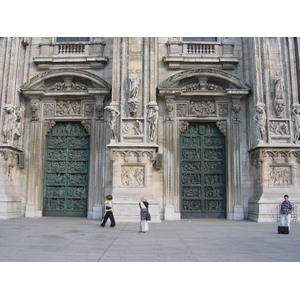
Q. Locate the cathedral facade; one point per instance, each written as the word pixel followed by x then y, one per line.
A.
pixel 204 127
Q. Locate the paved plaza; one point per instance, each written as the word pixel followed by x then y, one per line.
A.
pixel 51 239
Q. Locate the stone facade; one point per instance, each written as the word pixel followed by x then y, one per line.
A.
pixel 136 98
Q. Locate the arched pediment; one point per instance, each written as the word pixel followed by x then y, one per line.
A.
pixel 65 81
pixel 201 80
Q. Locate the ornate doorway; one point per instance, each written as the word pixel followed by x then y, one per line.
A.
pixel 203 189
pixel 66 170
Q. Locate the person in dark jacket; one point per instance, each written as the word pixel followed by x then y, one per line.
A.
pixel 286 210
pixel 109 208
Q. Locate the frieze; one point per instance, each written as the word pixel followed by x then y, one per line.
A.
pixel 202 108
pixel 134 155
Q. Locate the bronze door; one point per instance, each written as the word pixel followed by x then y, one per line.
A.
pixel 203 190
pixel 66 170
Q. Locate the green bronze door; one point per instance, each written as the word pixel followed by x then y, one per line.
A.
pixel 203 192
pixel 66 171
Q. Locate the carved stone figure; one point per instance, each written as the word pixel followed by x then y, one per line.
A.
pixel 260 118
pixel 9 126
pixel 139 127
pixel 114 114
pixel 152 118
pixel 296 120
pixel 134 84
pixel 279 86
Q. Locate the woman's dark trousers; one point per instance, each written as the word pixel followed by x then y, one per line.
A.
pixel 110 215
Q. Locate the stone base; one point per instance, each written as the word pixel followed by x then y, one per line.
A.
pixel 130 212
pixel 31 211
pixel 10 209
pixel 170 214
pixel 96 213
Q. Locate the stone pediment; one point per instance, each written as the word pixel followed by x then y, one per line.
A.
pixel 202 80
pixel 65 80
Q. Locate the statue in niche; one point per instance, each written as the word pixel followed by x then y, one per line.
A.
pixel 134 85
pixel 260 118
pixel 9 126
pixel 114 114
pixel 279 86
pixel 296 120
pixel 152 118
pixel 279 102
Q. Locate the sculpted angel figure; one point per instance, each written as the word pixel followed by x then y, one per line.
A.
pixel 9 126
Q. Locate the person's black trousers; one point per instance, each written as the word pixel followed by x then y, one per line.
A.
pixel 110 215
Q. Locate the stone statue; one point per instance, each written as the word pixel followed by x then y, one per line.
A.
pixel 296 119
pixel 134 85
pixel 9 126
pixel 114 114
pixel 152 118
pixel 260 118
pixel 279 87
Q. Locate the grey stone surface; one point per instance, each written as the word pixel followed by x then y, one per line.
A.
pixel 51 239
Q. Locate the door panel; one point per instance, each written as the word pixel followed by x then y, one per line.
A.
pixel 203 193
pixel 66 170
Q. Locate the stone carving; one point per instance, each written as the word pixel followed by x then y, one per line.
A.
pixel 138 127
pixel 260 118
pixel 49 125
pixel 236 107
pixel 202 85
pixel 125 128
pixel 67 85
pixel 132 176
pixel 280 176
pixel 88 110
pixel 99 109
pixel 183 126
pixel 67 108
pixel 202 108
pixel 134 85
pixel 9 127
pixel 34 106
pixel 181 110
pixel 87 126
pixel 114 114
pixel 296 120
pixel 152 119
pixel 279 127
pixel 279 102
pixel 169 109
pixel 222 127
pixel 48 110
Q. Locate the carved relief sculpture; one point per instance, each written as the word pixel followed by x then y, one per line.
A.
pixel 114 114
pixel 260 118
pixel 202 108
pixel 134 85
pixel 138 127
pixel 132 176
